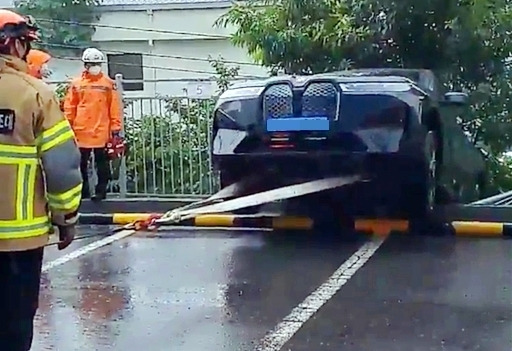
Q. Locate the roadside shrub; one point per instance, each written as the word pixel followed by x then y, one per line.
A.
pixel 169 153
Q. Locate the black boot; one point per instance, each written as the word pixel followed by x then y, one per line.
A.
pixel 86 194
pixel 100 193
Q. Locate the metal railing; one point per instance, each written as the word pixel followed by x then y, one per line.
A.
pixel 168 147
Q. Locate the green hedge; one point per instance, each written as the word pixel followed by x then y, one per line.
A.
pixel 169 153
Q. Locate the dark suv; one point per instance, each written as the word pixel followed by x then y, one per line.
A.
pixel 395 126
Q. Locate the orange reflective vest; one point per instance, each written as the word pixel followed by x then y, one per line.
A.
pixel 92 106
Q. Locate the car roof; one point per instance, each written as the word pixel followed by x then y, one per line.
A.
pixel 425 79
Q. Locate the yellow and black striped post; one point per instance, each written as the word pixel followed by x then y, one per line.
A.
pixel 370 226
pixel 459 228
pixel 482 229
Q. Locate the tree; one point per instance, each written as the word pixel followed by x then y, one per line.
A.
pixel 305 36
pixel 320 35
pixel 224 73
pixel 465 42
pixel 62 21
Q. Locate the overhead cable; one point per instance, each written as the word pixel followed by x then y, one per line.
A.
pixel 185 58
pixel 137 29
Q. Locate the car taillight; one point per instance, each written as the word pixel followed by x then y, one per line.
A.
pixel 281 141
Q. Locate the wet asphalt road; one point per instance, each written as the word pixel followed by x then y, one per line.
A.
pixel 218 290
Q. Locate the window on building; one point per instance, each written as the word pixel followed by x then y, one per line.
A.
pixel 130 66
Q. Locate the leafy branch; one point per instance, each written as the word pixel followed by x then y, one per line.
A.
pixel 61 21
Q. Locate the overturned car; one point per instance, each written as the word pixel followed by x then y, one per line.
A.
pixel 394 126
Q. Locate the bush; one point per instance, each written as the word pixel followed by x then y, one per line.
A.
pixel 169 153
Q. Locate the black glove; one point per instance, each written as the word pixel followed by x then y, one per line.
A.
pixel 66 226
pixel 66 236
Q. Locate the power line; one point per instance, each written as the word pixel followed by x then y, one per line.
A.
pixel 163 68
pixel 151 30
pixel 185 58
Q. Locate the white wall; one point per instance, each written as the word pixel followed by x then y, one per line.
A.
pixel 160 67
pixel 197 20
pixel 64 69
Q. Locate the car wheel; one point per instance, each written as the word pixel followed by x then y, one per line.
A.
pixel 422 194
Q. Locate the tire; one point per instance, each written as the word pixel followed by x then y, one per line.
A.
pixel 422 189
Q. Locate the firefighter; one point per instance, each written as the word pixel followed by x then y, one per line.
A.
pixel 39 169
pixel 98 119
pixel 37 61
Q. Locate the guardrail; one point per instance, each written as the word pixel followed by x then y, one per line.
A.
pixel 168 147
pixel 168 141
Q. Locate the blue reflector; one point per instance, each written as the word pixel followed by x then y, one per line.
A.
pixel 297 124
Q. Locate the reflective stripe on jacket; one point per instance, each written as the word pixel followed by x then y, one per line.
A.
pixel 39 159
pixel 93 108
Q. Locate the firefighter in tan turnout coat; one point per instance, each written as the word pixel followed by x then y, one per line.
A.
pixel 41 181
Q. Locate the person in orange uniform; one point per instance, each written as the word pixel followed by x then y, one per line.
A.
pixel 93 108
pixel 37 61
pixel 39 170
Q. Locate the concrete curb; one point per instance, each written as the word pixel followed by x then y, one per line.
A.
pixel 370 226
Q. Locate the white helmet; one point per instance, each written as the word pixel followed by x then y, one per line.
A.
pixel 93 55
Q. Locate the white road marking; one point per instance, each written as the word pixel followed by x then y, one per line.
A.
pixel 285 330
pixel 86 249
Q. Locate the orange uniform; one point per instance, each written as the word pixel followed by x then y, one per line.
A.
pixel 36 59
pixel 93 109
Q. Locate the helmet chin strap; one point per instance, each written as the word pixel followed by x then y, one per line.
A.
pixel 17 44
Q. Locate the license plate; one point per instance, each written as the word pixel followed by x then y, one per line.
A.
pixel 299 124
